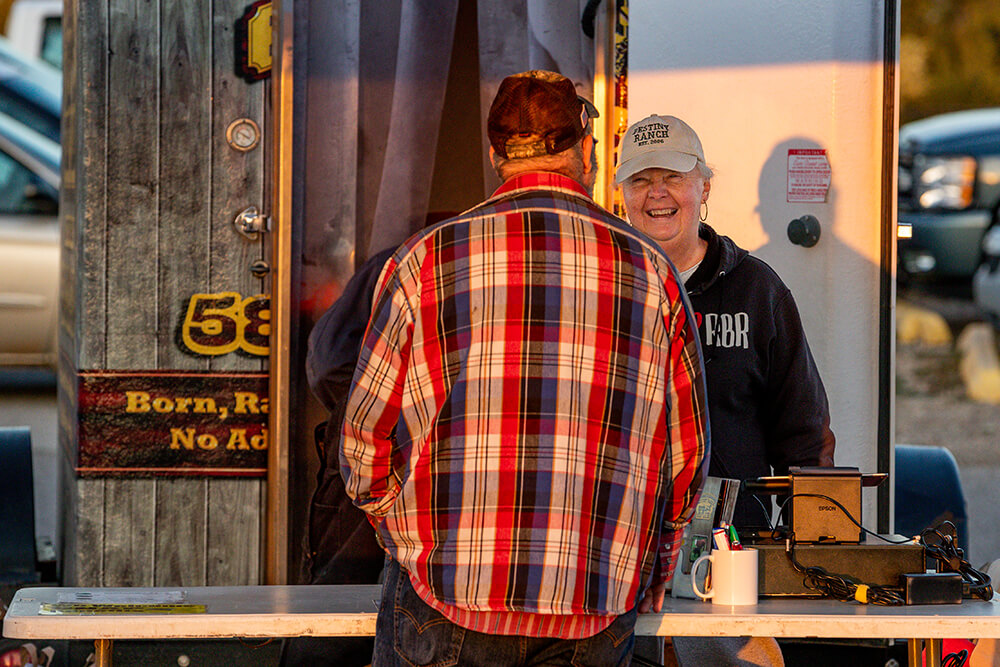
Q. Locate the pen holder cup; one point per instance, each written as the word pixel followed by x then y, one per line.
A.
pixel 733 577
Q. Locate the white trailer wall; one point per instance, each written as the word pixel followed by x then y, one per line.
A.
pixel 755 80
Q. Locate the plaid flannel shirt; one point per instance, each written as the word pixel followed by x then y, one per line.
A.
pixel 526 427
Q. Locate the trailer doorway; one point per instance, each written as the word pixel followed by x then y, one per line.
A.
pixel 391 100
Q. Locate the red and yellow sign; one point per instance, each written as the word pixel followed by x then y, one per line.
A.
pixel 620 113
pixel 172 423
pixel 255 34
pixel 217 324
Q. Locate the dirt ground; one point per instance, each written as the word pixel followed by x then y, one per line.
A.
pixel 931 405
pixel 932 409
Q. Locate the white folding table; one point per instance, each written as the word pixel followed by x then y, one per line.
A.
pixel 222 612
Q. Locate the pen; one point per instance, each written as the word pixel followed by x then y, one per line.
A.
pixel 734 539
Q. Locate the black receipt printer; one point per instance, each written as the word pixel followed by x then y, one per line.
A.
pixel 825 503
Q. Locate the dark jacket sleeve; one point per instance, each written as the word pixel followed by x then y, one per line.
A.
pixel 797 418
pixel 341 548
pixel 335 340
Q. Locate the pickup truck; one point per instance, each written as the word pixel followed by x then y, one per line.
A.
pixel 949 193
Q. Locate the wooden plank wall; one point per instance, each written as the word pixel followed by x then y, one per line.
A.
pixel 152 188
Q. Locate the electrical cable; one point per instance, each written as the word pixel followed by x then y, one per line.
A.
pixel 846 513
pixel 944 549
pixel 839 588
pixel 834 586
pixel 955 659
pixel 778 532
pixel 767 510
pixel 938 545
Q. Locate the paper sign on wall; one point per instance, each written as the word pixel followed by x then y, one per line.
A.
pixel 808 175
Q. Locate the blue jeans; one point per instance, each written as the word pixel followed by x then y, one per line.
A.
pixel 409 632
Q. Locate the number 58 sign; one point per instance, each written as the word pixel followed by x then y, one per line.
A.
pixel 217 324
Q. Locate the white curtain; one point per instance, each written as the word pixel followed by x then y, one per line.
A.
pixel 514 35
pixel 426 30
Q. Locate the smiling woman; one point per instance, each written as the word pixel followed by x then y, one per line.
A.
pixel 766 402
pixel 665 184
pixel 665 205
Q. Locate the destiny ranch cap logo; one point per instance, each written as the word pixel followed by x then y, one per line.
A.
pixel 654 133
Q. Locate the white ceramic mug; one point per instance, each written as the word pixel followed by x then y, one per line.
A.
pixel 734 577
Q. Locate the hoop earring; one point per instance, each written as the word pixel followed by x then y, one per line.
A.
pixel 704 216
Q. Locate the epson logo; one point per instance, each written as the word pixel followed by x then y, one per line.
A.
pixel 826 508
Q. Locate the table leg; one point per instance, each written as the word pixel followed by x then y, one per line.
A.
pixel 933 652
pixel 915 656
pixel 102 652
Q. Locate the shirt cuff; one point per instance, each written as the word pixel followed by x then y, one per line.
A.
pixel 670 548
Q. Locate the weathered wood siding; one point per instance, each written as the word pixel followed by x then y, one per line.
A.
pixel 151 190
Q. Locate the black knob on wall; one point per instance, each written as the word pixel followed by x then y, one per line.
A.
pixel 804 231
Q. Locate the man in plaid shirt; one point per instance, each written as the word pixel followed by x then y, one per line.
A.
pixel 526 427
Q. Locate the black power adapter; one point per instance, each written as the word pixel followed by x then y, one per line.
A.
pixel 932 588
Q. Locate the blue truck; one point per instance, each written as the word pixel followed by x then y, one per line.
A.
pixel 949 193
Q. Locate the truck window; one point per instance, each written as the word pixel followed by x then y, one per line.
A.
pixel 22 192
pixel 52 41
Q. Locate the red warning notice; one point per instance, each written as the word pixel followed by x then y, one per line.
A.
pixel 808 175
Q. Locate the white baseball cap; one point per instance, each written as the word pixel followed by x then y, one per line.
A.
pixel 659 141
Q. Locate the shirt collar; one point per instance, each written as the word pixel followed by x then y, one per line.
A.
pixel 541 180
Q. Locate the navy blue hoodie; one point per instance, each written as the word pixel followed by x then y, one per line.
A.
pixel 767 406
